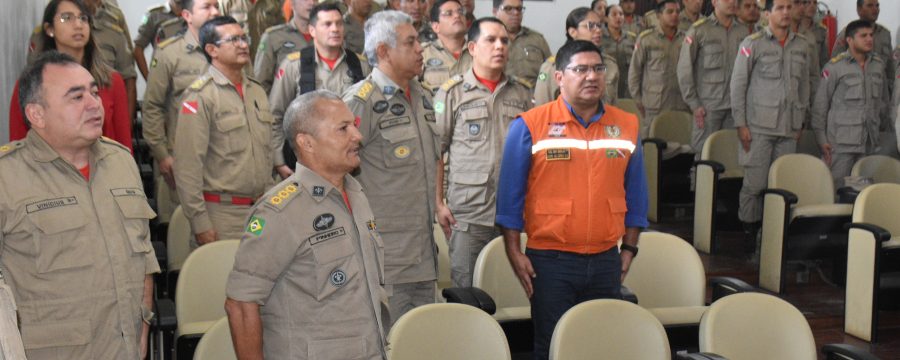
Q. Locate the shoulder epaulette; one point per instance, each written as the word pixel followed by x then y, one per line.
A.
pixel 365 89
pixel 699 22
pixel 10 148
pixel 199 83
pixel 273 28
pixel 38 29
pixel 756 35
pixel 822 26
pixel 294 56
pixel 159 7
pixel 109 141
pixel 116 28
pixel 425 44
pixel 552 59
pixel 839 57
pixel 362 58
pixel 168 22
pixel 451 82
pixel 524 82
pixel 645 33
pixel 631 33
pixel 281 197
pixel 168 41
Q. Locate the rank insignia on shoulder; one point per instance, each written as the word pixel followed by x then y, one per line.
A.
pixel 318 191
pixel 255 225
pixel 294 56
pixel 451 82
pixel 552 59
pixel 365 90
pixel 197 84
pixel 282 196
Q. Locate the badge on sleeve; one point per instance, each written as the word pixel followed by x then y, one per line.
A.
pixel 280 74
pixel 256 225
pixel 189 107
pixel 745 50
pixel 825 74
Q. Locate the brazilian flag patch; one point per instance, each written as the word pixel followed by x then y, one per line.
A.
pixel 256 225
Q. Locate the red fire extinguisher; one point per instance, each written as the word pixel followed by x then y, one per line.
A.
pixel 830 22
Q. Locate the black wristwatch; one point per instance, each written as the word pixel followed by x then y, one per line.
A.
pixel 633 249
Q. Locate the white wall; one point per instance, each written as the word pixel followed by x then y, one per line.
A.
pixel 845 10
pixel 16 24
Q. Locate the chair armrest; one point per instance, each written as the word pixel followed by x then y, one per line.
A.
pixel 165 319
pixel 880 233
pixel 471 296
pixel 845 351
pixel 789 197
pixel 660 143
pixel 723 286
pixel 629 295
pixel 699 356
pixel 847 195
pixel 716 166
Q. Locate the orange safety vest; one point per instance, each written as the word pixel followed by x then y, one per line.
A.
pixel 575 199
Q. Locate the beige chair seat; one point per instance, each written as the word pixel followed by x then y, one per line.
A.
pixel 216 343
pixel 495 276
pixel 820 210
pixel 513 313
pixel 680 315
pixel 447 332
pixel 585 332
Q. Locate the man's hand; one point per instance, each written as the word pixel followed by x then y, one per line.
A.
pixel 165 169
pixel 523 269
pixel 145 333
pixel 641 110
pixel 826 153
pixel 799 134
pixel 445 218
pixel 744 135
pixel 207 237
pixel 284 171
pixel 699 117
pixel 626 256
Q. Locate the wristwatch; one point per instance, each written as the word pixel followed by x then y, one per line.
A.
pixel 632 248
pixel 147 315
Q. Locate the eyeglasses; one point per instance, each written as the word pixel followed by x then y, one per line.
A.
pixel 801 2
pixel 234 40
pixel 68 17
pixel 582 70
pixel 449 13
pixel 512 9
pixel 591 26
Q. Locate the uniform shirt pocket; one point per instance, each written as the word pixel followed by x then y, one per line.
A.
pixel 55 335
pixel 233 132
pixel 468 190
pixel 876 85
pixel 399 146
pixel 352 348
pixel 854 88
pixel 552 214
pixel 770 67
pixel 712 56
pixel 137 214
pixel 59 241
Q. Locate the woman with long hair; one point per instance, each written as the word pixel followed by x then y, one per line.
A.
pixel 67 29
pixel 581 24
pixel 618 43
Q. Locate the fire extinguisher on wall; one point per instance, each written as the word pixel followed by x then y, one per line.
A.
pixel 830 22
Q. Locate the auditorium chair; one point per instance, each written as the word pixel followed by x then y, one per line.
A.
pixel 878 168
pixel 801 220
pixel 443 258
pixel 667 161
pixel 628 105
pixel 873 274
pixel 177 247
pixel 216 343
pixel 719 178
pixel 609 329
pixel 447 332
pixel 753 326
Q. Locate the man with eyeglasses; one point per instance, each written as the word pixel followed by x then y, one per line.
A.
pixel 448 55
pixel 223 144
pixel 572 178
pixel 473 112
pixel 281 40
pixel 177 62
pixel 653 63
pixel 528 49
pixel 325 65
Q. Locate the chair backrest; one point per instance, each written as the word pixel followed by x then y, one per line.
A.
pixel 609 329
pixel 804 175
pixel 447 332
pixel 722 147
pixel 443 258
pixel 495 276
pixel 756 326
pixel 200 293
pixel 668 272
pixel 881 168
pixel 879 204
pixel 216 343
pixel 178 239
pixel 672 126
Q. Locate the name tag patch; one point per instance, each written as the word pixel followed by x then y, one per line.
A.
pixel 558 154
pixel 327 235
pixel 50 204
pixel 394 122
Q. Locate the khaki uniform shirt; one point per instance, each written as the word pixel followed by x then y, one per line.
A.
pixel 263 15
pixel 354 34
pixel 706 62
pixel 175 65
pixel 472 124
pixel 851 104
pixel 169 29
pixel 399 154
pixel 150 24
pixel 651 77
pixel 316 269
pixel 275 45
pixel 239 10
pixel 819 35
pixel 651 20
pixel 440 65
pixel 287 86
pixel 223 144
pixel 883 48
pixel 546 89
pixel 685 21
pixel 526 54
pixel 621 50
pixel 75 252
pixel 770 86
pixel 635 26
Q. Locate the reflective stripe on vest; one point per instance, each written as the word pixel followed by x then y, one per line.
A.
pixel 582 144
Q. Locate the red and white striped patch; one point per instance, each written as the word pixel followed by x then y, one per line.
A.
pixel 688 40
pixel 189 107
pixel 825 74
pixel 280 74
pixel 745 51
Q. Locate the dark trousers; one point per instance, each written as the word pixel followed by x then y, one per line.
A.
pixel 565 279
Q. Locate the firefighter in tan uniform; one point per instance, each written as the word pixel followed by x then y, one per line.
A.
pixel 264 14
pixel 354 23
pixel 473 112
pixel 74 237
pixel 178 62
pixel 618 43
pixel 651 18
pixel 399 153
pixel 704 70
pixel 653 64
pixel 447 55
pixel 632 22
pixel 770 99
pixel 150 26
pixel 308 276
pixel 170 28
pixel 809 27
pixel 325 65
pixel 528 49
pixel 851 104
pixel 281 40
pixel 748 14
pixel 223 146
pixel 689 14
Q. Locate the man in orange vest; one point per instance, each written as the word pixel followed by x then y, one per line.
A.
pixel 572 176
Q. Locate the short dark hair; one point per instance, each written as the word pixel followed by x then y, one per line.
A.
pixel 187 5
pixel 435 13
pixel 322 7
pixel 570 49
pixel 32 78
pixel 859 3
pixel 575 17
pixel 209 34
pixel 769 5
pixel 662 4
pixel 854 26
pixel 497 3
pixel 475 30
